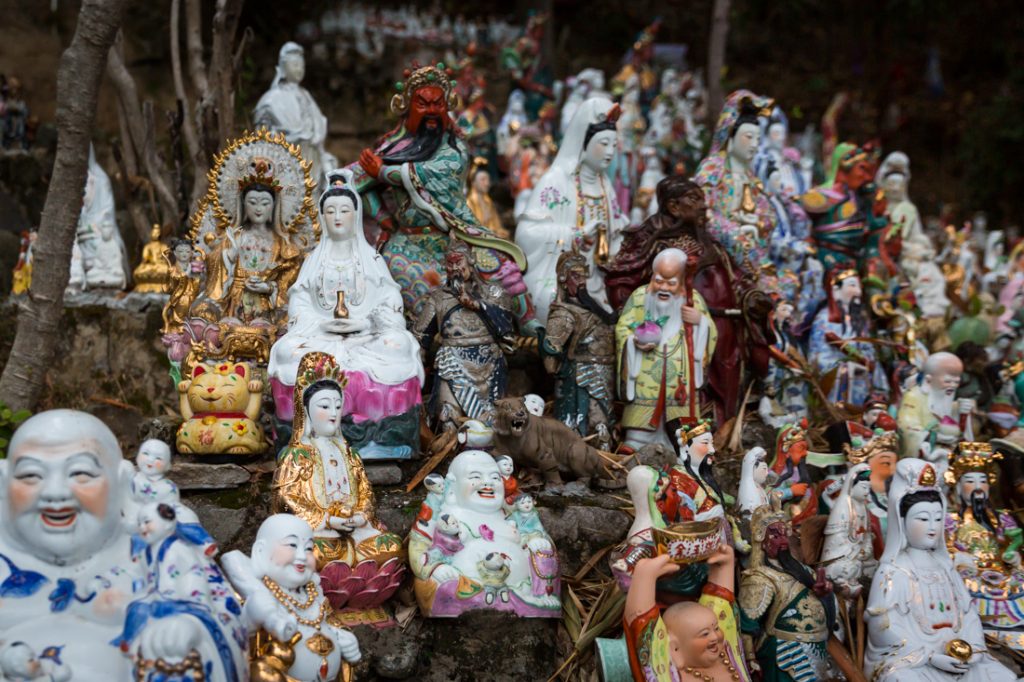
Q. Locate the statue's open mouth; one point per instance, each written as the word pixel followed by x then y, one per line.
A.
pixel 59 518
pixel 519 423
pixel 487 492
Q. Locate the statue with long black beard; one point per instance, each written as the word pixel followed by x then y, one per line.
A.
pixel 413 187
pixel 985 541
pixel 472 321
pixel 579 351
pixel 787 612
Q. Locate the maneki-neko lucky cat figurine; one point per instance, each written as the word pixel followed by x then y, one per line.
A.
pixel 221 405
pixel 322 481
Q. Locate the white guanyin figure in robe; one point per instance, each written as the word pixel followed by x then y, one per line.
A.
pixel 918 603
pixel 365 331
pixel 288 107
pixel 99 241
pixel 574 202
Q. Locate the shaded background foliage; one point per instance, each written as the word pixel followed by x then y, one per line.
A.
pixel 965 141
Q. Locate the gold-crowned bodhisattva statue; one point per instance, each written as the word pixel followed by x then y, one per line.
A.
pixel 320 479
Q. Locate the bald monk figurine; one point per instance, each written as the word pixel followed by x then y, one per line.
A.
pixel 699 638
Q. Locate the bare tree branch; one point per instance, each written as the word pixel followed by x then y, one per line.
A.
pixel 716 57
pixel 140 129
pixel 78 83
pixel 225 25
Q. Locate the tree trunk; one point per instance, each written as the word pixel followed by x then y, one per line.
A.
pixel 716 58
pixel 78 83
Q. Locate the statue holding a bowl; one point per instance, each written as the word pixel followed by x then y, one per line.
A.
pixel 690 639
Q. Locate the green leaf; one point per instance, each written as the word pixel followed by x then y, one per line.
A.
pixel 20 416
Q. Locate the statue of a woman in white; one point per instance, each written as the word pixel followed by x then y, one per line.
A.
pixel 922 625
pixel 346 304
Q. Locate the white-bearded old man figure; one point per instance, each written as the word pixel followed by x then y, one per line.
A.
pixel 665 338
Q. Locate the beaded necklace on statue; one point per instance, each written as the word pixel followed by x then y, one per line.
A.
pixel 318 644
pixel 587 204
pixel 708 678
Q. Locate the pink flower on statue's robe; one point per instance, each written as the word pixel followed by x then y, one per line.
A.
pixel 486 533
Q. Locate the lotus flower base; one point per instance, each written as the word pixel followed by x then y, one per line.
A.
pixel 358 592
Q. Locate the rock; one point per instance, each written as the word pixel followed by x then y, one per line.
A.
pixel 160 428
pixel 383 474
pixel 232 528
pixel 580 529
pixel 395 655
pixel 192 476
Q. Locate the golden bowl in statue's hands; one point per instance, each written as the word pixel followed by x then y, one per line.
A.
pixel 688 542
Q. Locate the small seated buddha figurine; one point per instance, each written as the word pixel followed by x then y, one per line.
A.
pixel 285 606
pixel 153 274
pixel 471 554
pixel 700 639
pixel 251 265
pixel 345 303
pixel 321 480
pixel 922 624
pixel 984 541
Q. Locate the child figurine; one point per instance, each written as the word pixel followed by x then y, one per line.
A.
pixel 699 638
pixel 434 484
pixel 494 571
pixel 447 540
pixel 150 482
pixel 19 663
pixel 526 518
pixel 174 557
pixel 534 404
pixel 506 467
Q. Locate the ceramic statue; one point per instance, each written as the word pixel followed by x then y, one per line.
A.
pixel 792 479
pixel 699 639
pixel 773 150
pixel 524 64
pixel 320 479
pixel 788 612
pixel 19 663
pixel 845 219
pixel 929 288
pixel 413 190
pixel 345 303
pixel 741 217
pixel 880 453
pixel 285 606
pixel 474 322
pixel 922 624
pixel 153 274
pixel 893 177
pixel 639 65
pixel 848 551
pixel 511 123
pixel 184 282
pixel 220 404
pixel 753 481
pixel 785 388
pixel 924 407
pixel 833 347
pixel 579 351
pixel 686 491
pixel 73 585
pixel 471 555
pixel 287 107
pixel 478 197
pixel 549 446
pixel 584 85
pixel 665 339
pixel 985 541
pixel 574 204
pixel 22 275
pixel 103 256
pixel 738 309
pixel 14 115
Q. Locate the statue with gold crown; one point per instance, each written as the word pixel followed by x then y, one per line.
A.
pixel 985 542
pixel 229 293
pixel 321 480
pixel 412 186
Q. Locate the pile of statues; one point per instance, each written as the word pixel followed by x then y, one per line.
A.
pixel 681 304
